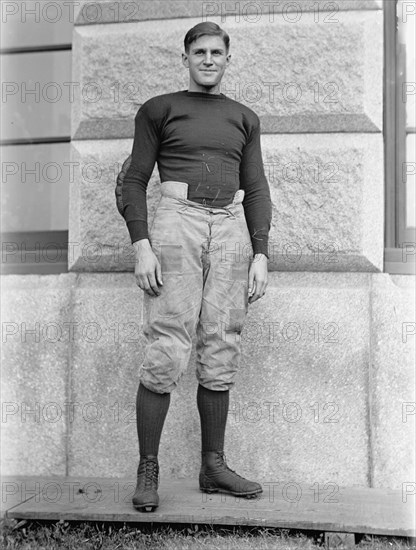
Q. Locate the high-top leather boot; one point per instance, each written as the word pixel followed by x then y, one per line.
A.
pixel 216 477
pixel 145 498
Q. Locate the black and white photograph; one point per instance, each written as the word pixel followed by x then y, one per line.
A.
pixel 208 233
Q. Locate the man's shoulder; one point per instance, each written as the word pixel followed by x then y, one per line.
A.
pixel 159 103
pixel 247 113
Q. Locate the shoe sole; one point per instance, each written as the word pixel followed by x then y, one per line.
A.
pixel 253 494
pixel 145 507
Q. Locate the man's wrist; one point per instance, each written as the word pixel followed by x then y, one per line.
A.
pixel 261 247
pixel 137 230
pixel 141 244
pixel 259 256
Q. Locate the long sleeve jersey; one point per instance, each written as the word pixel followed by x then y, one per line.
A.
pixel 208 141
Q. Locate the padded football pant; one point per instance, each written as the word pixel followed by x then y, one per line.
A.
pixel 205 254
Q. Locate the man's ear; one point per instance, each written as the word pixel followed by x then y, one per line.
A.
pixel 228 59
pixel 185 61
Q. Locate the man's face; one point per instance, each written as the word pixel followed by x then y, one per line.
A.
pixel 207 60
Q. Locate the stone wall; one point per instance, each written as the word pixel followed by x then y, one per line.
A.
pixel 320 106
pixel 324 394
pixel 325 390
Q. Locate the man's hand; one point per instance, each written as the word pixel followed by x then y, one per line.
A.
pixel 147 269
pixel 257 278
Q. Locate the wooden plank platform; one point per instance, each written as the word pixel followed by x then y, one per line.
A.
pixel 288 505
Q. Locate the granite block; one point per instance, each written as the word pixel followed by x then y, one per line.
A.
pixel 303 77
pixel 36 334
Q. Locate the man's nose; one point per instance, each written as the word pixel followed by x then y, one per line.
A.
pixel 208 60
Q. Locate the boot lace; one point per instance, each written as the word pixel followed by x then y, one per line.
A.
pixel 224 461
pixel 150 470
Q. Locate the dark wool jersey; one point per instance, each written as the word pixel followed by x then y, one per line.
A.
pixel 208 141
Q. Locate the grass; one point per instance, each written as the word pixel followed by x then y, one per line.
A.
pixel 24 535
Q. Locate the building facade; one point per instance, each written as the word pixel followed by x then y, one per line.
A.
pixel 325 392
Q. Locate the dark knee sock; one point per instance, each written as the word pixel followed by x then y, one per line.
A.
pixel 151 411
pixel 213 411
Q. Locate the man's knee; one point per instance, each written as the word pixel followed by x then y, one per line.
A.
pixel 216 385
pixel 158 386
pixel 215 378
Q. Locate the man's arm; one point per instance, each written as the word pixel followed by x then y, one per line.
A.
pixel 257 201
pixel 147 269
pixel 144 155
pixel 257 209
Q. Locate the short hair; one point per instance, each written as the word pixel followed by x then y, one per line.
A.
pixel 205 28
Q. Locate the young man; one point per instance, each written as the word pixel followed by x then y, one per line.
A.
pixel 205 257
